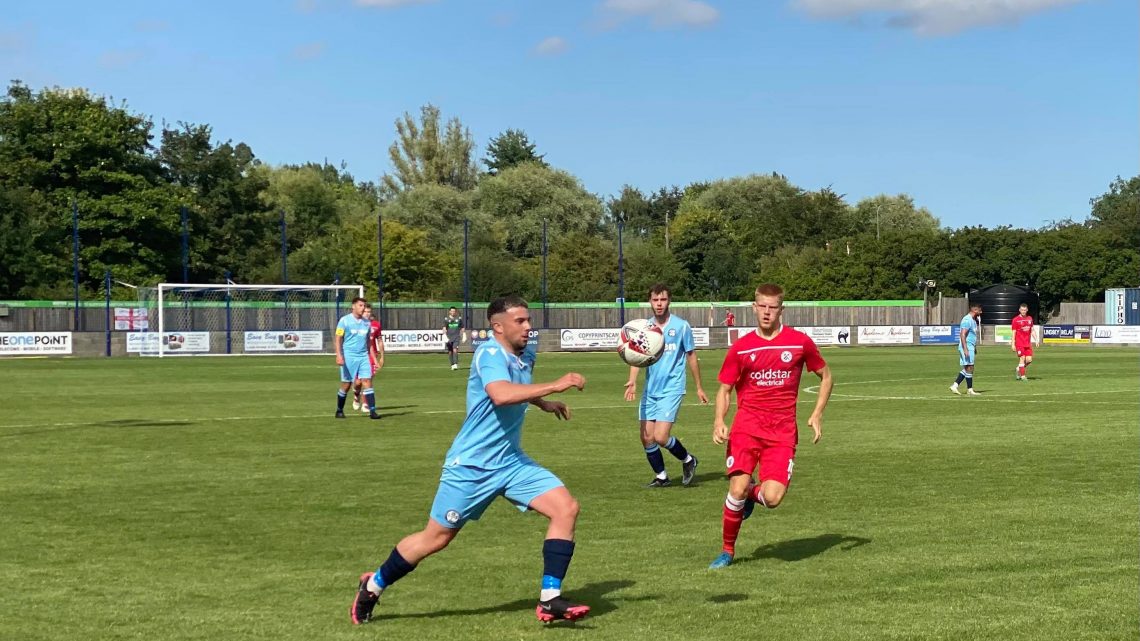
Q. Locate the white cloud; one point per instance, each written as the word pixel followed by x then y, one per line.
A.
pixel 662 14
pixel 119 58
pixel 931 17
pixel 552 46
pixel 309 51
pixel 12 42
pixel 389 4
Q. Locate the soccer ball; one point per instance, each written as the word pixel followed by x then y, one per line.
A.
pixel 641 343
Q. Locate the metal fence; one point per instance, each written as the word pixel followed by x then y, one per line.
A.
pixel 946 311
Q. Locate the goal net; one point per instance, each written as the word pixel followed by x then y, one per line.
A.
pixel 200 319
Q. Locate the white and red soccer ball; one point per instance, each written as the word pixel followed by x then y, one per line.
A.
pixel 641 343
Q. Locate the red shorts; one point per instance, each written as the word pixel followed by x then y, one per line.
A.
pixel 1025 351
pixel 745 451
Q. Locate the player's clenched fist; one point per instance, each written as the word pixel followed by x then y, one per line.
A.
pixel 573 379
pixel 720 433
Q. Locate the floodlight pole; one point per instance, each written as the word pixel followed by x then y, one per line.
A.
pixel 621 276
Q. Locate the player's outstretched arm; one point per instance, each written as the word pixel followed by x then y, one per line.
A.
pixel 631 384
pixel 695 368
pixel 559 409
pixel 508 393
pixel 720 428
pixel 816 419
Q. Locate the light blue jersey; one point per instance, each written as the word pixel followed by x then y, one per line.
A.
pixel 355 332
pixel 489 437
pixel 971 326
pixel 667 377
pixel 485 460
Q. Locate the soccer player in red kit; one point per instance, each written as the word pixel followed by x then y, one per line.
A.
pixel 764 368
pixel 1022 326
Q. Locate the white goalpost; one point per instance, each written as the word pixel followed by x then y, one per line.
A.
pixel 227 318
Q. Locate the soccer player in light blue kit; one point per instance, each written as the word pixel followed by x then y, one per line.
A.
pixel 485 461
pixel 665 389
pixel 353 344
pixel 968 331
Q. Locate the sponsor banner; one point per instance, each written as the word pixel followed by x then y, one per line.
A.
pixel 700 337
pixel 886 334
pixel 937 334
pixel 24 343
pixel 131 318
pixel 480 336
pixel 736 332
pixel 1117 334
pixel 1114 307
pixel 174 343
pixel 828 335
pixel 1066 334
pixel 605 338
pixel 838 335
pixel 414 340
pixel 1003 334
pixel 274 341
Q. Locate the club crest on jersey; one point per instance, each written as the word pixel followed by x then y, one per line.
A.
pixel 729 461
pixel 452 517
pixel 672 333
pixel 786 356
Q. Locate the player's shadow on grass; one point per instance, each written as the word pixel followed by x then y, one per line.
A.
pixel 708 476
pixel 142 422
pixel 728 598
pixel 594 595
pixel 800 549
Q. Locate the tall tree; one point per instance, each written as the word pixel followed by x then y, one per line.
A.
pixel 66 145
pixel 631 209
pixel 508 149
pixel 523 196
pixel 426 153
pixel 231 229
pixel 1117 211
pixel 881 213
pixel 438 209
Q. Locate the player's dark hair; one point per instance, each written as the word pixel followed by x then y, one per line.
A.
pixel 659 288
pixel 975 305
pixel 1025 305
pixel 358 299
pixel 771 289
pixel 367 305
pixel 503 303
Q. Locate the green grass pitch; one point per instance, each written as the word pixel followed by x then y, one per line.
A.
pixel 216 498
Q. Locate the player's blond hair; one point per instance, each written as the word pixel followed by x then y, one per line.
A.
pixel 770 289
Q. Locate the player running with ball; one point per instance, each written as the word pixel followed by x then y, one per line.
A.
pixel 486 461
pixel 764 367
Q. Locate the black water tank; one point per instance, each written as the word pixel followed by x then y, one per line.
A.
pixel 1000 303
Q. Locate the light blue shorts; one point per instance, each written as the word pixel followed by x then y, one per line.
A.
pixel 465 492
pixel 660 408
pixel 355 367
pixel 967 357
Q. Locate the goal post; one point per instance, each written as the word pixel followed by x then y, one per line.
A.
pixel 227 318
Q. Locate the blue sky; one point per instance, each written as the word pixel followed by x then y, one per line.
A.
pixel 987 112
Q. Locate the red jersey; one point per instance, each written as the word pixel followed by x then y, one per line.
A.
pixel 375 334
pixel 729 319
pixel 766 375
pixel 1022 330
